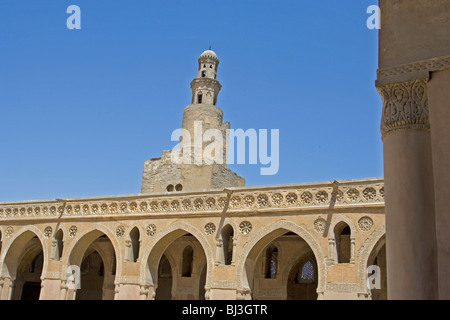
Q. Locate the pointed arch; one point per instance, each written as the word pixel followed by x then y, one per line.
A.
pixel 58 240
pixel 12 252
pixel 259 241
pixel 25 250
pixel 341 240
pixel 135 243
pixel 363 257
pixel 75 250
pixel 339 219
pixel 227 243
pixel 342 237
pixel 154 251
pixel 80 249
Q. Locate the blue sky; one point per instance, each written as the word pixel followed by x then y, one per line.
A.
pixel 81 110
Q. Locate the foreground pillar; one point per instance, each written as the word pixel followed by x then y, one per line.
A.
pixel 414 80
pixel 410 224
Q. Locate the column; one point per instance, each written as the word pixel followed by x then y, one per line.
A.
pixel 409 190
pixel 352 250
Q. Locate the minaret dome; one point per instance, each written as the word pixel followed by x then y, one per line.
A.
pixel 207 65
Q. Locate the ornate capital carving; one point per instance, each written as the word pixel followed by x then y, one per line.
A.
pixel 405 106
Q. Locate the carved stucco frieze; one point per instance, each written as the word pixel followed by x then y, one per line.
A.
pixel 405 106
pixel 243 200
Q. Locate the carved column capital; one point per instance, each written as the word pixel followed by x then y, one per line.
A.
pixel 405 106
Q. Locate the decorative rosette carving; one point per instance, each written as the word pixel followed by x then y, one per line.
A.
pixel 277 199
pixel 320 225
pixel 48 231
pixel 245 227
pixel 73 231
pixel 210 203
pixel 120 231
pixel 150 230
pixel 263 200
pixel 210 228
pixel 306 197
pixel 369 193
pixel 291 198
pixel 365 224
pixel 9 232
pixel 322 196
pixel 353 194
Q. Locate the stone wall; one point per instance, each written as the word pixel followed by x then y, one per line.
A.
pixel 306 214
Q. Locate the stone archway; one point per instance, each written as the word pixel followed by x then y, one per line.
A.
pixel 252 250
pixel 24 262
pixel 377 265
pixel 96 257
pixel 366 254
pixel 202 252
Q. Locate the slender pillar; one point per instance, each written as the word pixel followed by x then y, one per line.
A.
pixel 352 250
pixel 409 189
pixel 332 259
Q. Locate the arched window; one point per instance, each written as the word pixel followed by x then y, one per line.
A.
pixel 271 267
pixel 199 98
pixel 188 261
pixel 59 245
pixel 343 243
pixel 307 273
pixel 134 250
pixel 227 244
